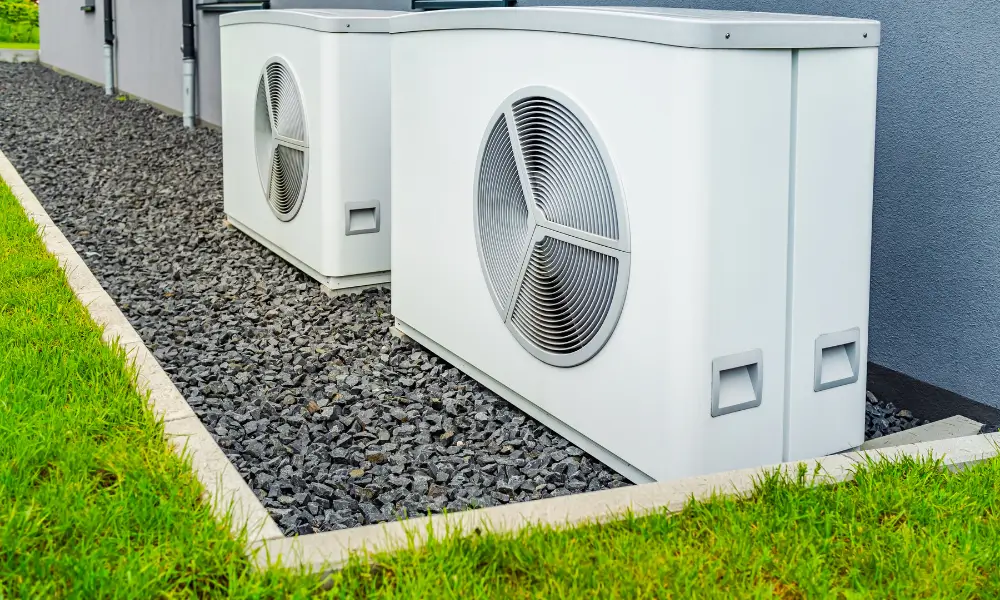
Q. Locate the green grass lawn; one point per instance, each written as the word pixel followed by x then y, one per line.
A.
pixel 19 46
pixel 93 504
pixel 18 33
pixel 18 22
pixel 92 501
pixel 905 530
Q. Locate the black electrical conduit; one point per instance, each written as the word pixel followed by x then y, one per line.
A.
pixel 187 51
pixel 109 44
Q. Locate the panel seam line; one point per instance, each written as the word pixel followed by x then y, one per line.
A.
pixel 790 257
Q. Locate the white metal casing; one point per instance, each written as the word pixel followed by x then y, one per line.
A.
pixel 830 240
pixel 343 75
pixel 703 152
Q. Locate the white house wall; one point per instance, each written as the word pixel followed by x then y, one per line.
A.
pixel 148 46
pixel 149 54
pixel 72 40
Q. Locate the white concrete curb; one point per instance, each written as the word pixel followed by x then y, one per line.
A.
pixel 17 55
pixel 945 429
pixel 323 552
pixel 330 551
pixel 224 487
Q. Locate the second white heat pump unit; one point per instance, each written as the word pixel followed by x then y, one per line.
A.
pixel 647 228
pixel 305 125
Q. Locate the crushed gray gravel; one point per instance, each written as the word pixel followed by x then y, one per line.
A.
pixel 332 421
pixel 882 418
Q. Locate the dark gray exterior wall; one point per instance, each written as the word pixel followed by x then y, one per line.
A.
pixel 935 304
pixel 371 4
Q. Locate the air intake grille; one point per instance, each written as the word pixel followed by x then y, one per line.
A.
pixel 281 141
pixel 286 179
pixel 504 229
pixel 551 228
pixel 565 295
pixel 568 179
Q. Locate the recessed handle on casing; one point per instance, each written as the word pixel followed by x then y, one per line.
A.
pixel 362 217
pixel 836 359
pixel 737 382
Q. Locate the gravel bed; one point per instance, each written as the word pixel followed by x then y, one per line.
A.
pixel 882 418
pixel 332 421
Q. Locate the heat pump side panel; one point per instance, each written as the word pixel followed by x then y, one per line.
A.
pixel 831 252
pixel 357 84
pixel 245 50
pixel 646 396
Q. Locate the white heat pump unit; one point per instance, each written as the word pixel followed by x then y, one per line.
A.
pixel 647 228
pixel 305 122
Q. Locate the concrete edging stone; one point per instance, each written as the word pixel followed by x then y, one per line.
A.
pixel 330 551
pixel 225 489
pixel 18 55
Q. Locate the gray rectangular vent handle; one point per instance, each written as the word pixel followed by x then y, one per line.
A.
pixel 362 217
pixel 737 382
pixel 836 359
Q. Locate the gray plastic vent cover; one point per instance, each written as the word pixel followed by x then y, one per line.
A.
pixel 551 227
pixel 281 141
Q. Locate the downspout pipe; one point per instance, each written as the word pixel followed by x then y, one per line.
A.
pixel 109 47
pixel 190 61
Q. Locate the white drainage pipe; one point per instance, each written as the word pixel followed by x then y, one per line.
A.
pixel 189 83
pixel 109 69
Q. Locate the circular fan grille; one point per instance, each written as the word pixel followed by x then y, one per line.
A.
pixel 551 228
pixel 568 178
pixel 281 140
pixel 503 214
